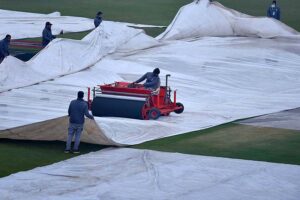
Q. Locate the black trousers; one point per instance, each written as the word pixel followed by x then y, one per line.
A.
pixel 1 58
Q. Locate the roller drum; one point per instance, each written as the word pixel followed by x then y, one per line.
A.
pixel 118 106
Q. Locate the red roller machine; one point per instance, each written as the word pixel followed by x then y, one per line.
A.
pixel 123 99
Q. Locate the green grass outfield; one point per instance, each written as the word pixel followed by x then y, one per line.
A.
pixel 18 155
pixel 235 141
pixel 230 140
pixel 156 12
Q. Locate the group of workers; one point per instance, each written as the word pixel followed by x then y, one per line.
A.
pixel 273 12
pixel 47 37
pixel 78 108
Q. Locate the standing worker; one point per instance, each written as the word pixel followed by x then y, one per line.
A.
pixel 274 11
pixel 47 34
pixel 78 108
pixel 98 19
pixel 4 44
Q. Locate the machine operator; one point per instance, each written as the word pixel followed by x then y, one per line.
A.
pixel 152 80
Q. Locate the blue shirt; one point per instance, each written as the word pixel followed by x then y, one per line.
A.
pixel 152 80
pixel 78 108
pixel 97 21
pixel 4 48
pixel 47 36
pixel 274 12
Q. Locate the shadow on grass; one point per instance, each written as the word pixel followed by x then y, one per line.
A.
pixel 20 155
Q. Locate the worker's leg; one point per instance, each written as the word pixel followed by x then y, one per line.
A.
pixel 1 58
pixel 71 132
pixel 77 137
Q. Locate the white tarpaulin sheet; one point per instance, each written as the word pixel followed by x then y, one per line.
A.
pixel 288 119
pixel 213 19
pixel 218 79
pixel 143 174
pixel 65 56
pixel 29 25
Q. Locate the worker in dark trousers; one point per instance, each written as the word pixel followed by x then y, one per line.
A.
pixel 78 108
pixel 274 11
pixel 98 19
pixel 47 34
pixel 152 80
pixel 4 45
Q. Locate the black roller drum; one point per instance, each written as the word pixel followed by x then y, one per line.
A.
pixel 118 106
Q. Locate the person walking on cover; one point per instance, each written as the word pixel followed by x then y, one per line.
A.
pixel 98 19
pixel 47 34
pixel 78 108
pixel 4 44
pixel 152 79
pixel 274 11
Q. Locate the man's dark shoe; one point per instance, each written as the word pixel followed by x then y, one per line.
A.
pixel 76 152
pixel 67 151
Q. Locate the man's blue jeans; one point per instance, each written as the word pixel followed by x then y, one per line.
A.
pixel 74 129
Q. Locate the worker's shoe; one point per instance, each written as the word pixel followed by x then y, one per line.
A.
pixel 67 151
pixel 76 152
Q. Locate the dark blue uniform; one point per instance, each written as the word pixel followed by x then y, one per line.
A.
pixel 77 109
pixel 4 44
pixel 274 12
pixel 97 21
pixel 47 36
pixel 152 80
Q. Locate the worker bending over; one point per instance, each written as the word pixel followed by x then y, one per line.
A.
pixel 4 44
pixel 152 80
